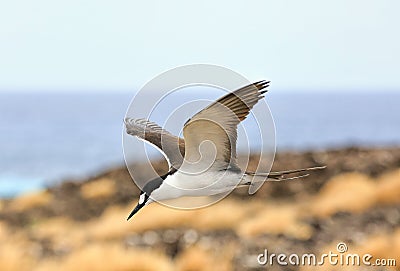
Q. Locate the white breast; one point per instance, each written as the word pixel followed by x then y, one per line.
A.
pixel 205 184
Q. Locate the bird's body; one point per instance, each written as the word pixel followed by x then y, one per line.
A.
pixel 204 162
pixel 203 184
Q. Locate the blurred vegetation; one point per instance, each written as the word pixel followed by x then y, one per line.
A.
pixel 82 226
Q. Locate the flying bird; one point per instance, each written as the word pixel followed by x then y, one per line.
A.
pixel 204 162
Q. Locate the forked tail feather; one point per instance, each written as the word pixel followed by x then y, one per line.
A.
pixel 281 175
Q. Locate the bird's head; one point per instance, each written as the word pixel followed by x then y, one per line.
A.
pixel 145 195
pixel 144 200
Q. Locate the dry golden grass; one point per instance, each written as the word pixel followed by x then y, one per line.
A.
pixel 347 192
pixel 352 192
pixel 4 231
pixel 30 200
pixel 109 256
pixel 225 214
pixel 381 246
pixel 389 188
pixel 197 258
pixel 276 219
pixel 97 244
pixel 355 192
pixel 101 188
pixel 16 255
pixel 63 232
pixel 11 259
pixel 111 224
pixel 228 213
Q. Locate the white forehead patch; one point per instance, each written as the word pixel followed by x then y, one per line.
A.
pixel 141 198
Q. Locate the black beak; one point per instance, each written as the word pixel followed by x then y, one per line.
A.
pixel 134 211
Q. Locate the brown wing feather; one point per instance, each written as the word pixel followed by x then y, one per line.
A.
pixel 172 146
pixel 218 123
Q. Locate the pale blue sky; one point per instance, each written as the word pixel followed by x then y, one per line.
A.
pixel 120 45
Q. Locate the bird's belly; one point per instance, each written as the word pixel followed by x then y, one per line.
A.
pixel 204 184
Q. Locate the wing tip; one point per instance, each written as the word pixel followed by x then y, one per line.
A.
pixel 128 119
pixel 262 85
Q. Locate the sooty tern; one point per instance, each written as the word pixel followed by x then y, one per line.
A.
pixel 204 162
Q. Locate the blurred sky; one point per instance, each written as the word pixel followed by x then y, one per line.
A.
pixel 120 45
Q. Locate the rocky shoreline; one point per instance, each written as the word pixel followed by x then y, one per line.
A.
pixel 291 217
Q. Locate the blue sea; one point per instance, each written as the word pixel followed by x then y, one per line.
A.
pixel 49 137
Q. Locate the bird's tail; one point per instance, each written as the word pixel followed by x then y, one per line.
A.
pixel 281 175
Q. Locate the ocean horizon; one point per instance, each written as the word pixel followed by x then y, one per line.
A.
pixel 50 137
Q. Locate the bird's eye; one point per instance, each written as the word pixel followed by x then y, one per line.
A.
pixel 142 198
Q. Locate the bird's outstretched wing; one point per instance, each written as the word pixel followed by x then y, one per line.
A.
pixel 217 123
pixel 172 147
